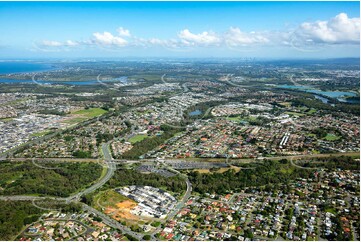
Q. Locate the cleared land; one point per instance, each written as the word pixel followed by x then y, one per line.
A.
pixel 220 170
pixel 39 134
pixel 137 138
pixel 115 205
pixel 85 114
pixel 91 112
pixel 331 137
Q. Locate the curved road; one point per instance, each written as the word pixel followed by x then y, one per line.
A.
pixel 301 167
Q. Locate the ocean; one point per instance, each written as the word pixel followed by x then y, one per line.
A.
pixel 21 67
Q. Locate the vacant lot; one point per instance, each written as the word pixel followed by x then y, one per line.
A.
pixel 85 114
pixel 331 137
pixel 115 205
pixel 137 138
pixel 91 112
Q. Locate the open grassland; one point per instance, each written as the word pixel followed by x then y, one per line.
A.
pixel 85 114
pixel 137 138
pixel 331 137
pixel 42 133
pixel 91 112
pixel 219 170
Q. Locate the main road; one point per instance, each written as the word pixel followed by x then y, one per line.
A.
pixel 108 165
pixel 113 223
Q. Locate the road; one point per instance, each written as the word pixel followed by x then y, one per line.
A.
pixel 293 81
pixel 180 204
pixel 111 222
pixel 186 195
pixel 301 167
pixel 301 156
pixel 195 159
pixel 27 198
pixel 110 168
pixel 162 78
pixel 184 86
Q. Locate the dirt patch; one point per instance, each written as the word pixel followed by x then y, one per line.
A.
pixel 220 170
pixel 122 211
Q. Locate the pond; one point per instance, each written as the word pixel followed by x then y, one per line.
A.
pixel 195 113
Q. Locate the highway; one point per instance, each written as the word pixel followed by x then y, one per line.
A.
pixel 181 202
pixel 232 161
pixel 109 166
pixel 301 167
pixel 28 198
pixel 111 222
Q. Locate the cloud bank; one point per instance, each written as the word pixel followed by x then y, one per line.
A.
pixel 339 30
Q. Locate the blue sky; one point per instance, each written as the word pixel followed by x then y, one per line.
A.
pixel 179 29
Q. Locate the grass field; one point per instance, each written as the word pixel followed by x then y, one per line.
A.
pixel 331 137
pixel 38 134
pixel 235 119
pixel 91 112
pixel 285 104
pixel 75 120
pixel 137 138
pixel 311 111
pixel 331 210
pixel 147 77
pixel 85 114
pixel 311 135
pixel 109 198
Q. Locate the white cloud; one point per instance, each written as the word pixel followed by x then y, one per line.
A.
pixel 71 43
pixel 204 39
pixel 107 38
pixel 338 30
pixel 235 37
pixel 51 43
pixel 123 32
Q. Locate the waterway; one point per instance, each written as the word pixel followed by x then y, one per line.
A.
pixel 120 80
pixel 77 83
pixel 340 96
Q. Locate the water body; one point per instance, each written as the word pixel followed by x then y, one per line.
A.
pixel 324 100
pixel 22 67
pixel 77 83
pixel 195 113
pixel 332 94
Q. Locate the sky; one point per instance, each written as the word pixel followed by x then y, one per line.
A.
pixel 180 29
